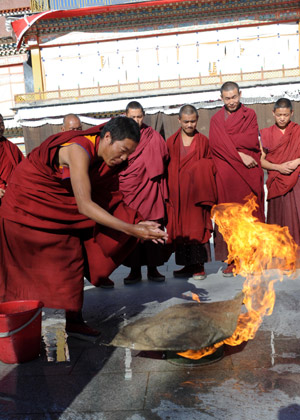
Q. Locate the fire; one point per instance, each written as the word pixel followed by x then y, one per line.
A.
pixel 256 248
pixel 196 297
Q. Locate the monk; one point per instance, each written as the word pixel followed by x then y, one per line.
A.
pixel 99 266
pixel 192 192
pixel 71 122
pixel 281 157
pixel 143 183
pixel 53 199
pixel 234 144
pixel 10 157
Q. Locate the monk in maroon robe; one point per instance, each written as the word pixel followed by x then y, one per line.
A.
pixel 281 157
pixel 192 192
pixel 234 144
pixel 10 157
pixel 50 208
pixel 144 185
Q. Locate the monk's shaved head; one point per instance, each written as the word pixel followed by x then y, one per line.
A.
pixel 134 105
pixel 231 95
pixel 188 119
pixel 283 103
pixel 121 128
pixel 135 111
pixel 283 112
pixel 228 86
pixel 188 110
pixel 71 122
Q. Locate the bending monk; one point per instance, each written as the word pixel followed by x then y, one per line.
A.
pixel 98 267
pixel 10 157
pixel 192 192
pixel 144 185
pixel 281 157
pixel 50 208
pixel 234 144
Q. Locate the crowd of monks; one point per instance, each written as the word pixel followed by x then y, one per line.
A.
pixel 85 202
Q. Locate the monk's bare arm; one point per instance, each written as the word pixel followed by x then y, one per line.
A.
pixel 285 168
pixel 78 162
pixel 2 192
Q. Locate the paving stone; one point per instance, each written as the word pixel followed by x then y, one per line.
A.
pixel 257 380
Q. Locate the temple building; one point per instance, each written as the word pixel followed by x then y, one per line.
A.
pixel 92 57
pixel 13 66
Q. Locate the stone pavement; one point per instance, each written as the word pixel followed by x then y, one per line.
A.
pixel 258 380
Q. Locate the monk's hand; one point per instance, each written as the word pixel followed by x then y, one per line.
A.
pixel 248 161
pixel 149 231
pixel 2 192
pixel 286 168
pixel 293 164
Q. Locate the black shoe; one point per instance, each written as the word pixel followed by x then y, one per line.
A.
pixel 82 331
pixel 106 283
pixel 154 275
pixel 183 273
pixel 132 279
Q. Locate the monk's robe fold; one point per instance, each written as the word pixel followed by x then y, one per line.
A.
pixel 45 241
pixel 283 190
pixel 281 148
pixel 228 135
pixel 143 182
pixel 192 191
pixel 144 186
pixel 10 157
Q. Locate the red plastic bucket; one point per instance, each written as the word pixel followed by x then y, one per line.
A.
pixel 20 330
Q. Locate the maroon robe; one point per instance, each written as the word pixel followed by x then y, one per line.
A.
pixel 45 241
pixel 144 185
pixel 143 182
pixel 283 190
pixel 228 135
pixel 192 191
pixel 10 157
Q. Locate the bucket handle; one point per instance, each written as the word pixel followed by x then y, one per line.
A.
pixel 9 333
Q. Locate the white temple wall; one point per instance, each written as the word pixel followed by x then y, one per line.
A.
pixel 167 57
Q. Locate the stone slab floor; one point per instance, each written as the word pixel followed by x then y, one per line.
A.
pixel 258 380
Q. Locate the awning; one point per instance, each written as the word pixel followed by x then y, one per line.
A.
pixel 21 26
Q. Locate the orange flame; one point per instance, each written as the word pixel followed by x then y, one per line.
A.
pixel 255 248
pixel 196 297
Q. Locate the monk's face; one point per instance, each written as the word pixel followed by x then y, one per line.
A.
pixel 282 117
pixel 188 123
pixel 2 127
pixel 72 123
pixel 231 99
pixel 137 115
pixel 117 152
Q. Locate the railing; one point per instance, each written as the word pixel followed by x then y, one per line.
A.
pixel 39 5
pixel 180 83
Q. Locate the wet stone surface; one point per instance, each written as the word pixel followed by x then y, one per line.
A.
pixel 257 380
